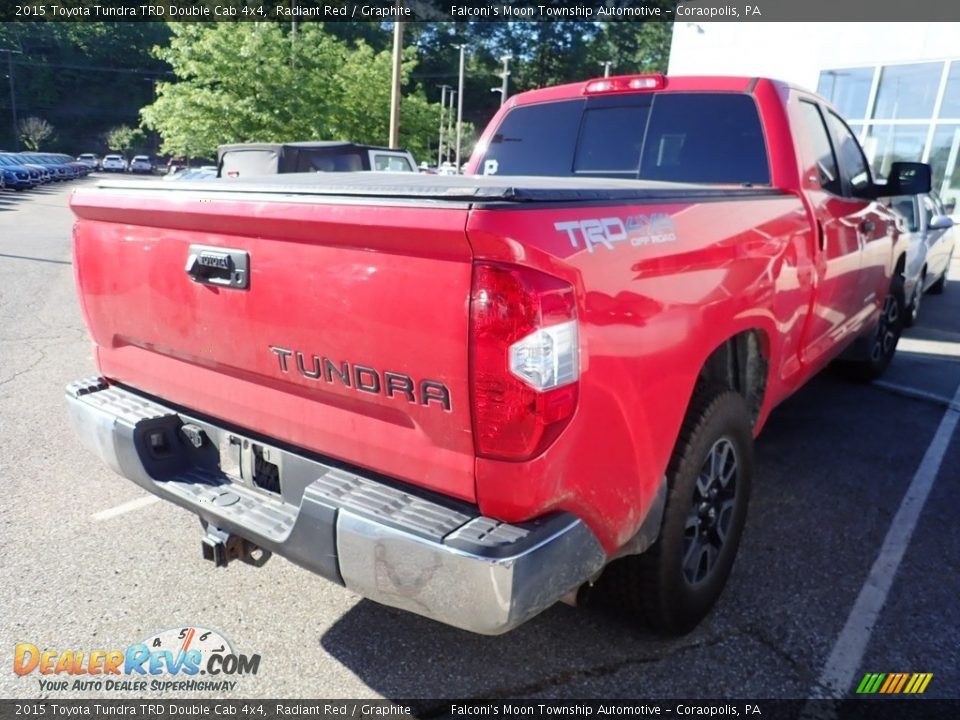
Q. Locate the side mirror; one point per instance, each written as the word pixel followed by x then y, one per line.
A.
pixel 908 178
pixel 941 222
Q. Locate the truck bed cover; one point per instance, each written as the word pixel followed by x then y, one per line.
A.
pixel 513 189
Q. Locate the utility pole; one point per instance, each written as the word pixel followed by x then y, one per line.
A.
pixel 443 112
pixel 13 94
pixel 504 88
pixel 460 107
pixel 395 87
pixel 606 67
pixel 453 95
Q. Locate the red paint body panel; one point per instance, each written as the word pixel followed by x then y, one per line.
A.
pixel 324 280
pixel 385 283
pixel 649 318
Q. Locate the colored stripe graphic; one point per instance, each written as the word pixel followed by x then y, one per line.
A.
pixel 918 683
pixel 894 683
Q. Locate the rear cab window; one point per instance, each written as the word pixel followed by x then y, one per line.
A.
pixel 685 137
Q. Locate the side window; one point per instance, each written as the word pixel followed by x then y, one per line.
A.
pixel 853 164
pixel 939 209
pixel 905 206
pixel 391 163
pixel 929 209
pixel 822 149
pixel 535 140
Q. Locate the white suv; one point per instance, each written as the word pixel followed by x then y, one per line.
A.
pixel 114 163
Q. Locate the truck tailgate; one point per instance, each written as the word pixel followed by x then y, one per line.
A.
pixel 349 339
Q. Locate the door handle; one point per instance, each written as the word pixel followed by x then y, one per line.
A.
pixel 868 226
pixel 821 236
pixel 218 266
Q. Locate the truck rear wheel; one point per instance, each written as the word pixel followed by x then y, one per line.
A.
pixel 675 583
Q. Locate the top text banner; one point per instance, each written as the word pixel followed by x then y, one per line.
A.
pixel 693 11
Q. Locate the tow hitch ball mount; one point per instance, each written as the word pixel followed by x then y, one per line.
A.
pixel 220 547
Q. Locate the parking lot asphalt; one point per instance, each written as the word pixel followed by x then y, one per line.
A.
pixel 834 465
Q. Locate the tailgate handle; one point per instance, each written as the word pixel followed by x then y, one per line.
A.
pixel 219 266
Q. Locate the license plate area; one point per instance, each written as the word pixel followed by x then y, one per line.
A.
pixel 250 463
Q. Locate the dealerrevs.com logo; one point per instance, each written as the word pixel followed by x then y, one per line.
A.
pixel 180 659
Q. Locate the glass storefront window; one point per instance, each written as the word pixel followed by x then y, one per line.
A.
pixel 908 91
pixel 887 144
pixel 945 160
pixel 847 89
pixel 950 108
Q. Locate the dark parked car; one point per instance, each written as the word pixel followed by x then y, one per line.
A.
pixel 59 170
pixel 15 175
pixel 50 163
pixel 81 169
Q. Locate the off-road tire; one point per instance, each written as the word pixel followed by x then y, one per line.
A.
pixel 655 586
pixel 940 285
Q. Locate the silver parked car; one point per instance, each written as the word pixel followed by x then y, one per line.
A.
pixel 90 160
pixel 932 240
pixel 141 164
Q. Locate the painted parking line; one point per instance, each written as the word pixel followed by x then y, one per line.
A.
pixel 917 394
pixel 840 670
pixel 125 508
pixel 928 347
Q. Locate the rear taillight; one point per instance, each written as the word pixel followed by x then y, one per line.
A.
pixel 524 360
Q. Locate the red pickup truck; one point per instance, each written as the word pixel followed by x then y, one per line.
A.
pixel 470 396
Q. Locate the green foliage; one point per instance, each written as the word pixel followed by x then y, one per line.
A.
pixel 238 82
pixel 544 53
pixel 82 77
pixel 123 139
pixel 33 132
pixel 259 82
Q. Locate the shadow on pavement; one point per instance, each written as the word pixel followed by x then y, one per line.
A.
pixel 809 543
pixel 402 655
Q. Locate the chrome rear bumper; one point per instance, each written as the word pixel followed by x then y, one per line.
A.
pixel 399 546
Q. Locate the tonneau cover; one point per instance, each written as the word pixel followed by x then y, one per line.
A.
pixel 518 189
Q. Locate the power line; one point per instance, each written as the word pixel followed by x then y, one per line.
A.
pixel 67 66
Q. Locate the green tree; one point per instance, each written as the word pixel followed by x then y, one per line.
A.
pixel 544 53
pixel 33 132
pixel 82 77
pixel 631 47
pixel 258 82
pixel 123 139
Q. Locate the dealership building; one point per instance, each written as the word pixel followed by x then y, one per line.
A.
pixel 897 84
